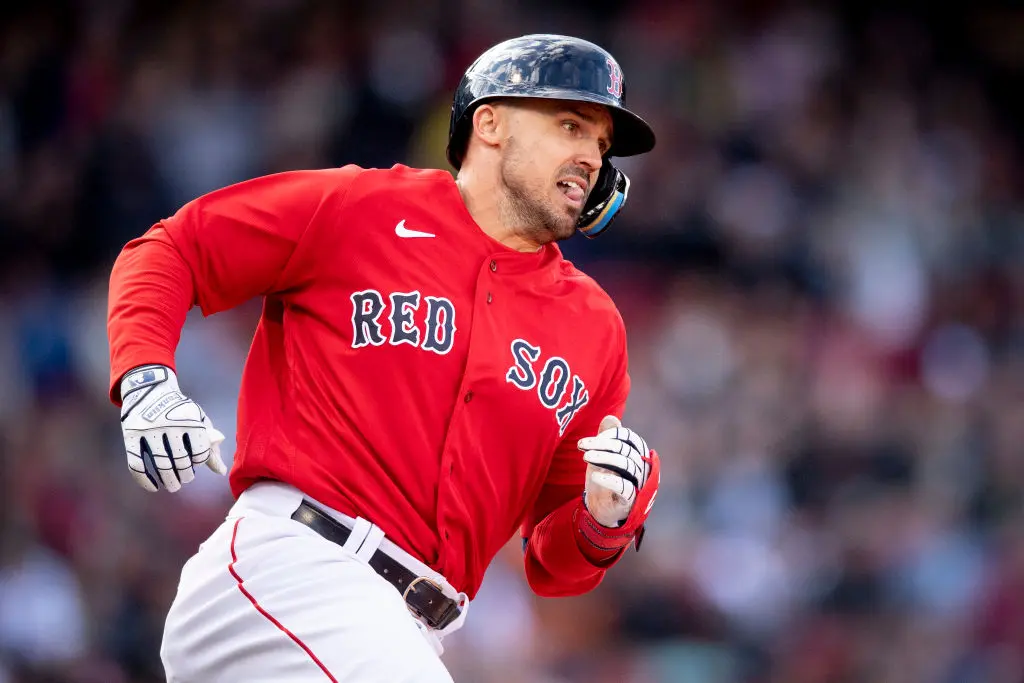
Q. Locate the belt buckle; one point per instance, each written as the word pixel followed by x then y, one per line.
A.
pixel 446 618
pixel 412 586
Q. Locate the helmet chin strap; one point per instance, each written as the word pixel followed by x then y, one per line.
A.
pixel 605 201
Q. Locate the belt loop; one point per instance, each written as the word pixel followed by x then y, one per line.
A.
pixel 355 540
pixel 372 541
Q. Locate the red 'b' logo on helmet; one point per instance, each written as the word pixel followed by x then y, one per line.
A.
pixel 614 78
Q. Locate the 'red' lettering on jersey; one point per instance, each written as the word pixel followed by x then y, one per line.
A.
pixel 406 367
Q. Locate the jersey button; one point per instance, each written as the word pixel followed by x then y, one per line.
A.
pixel 494 266
pixel 489 297
pixel 468 397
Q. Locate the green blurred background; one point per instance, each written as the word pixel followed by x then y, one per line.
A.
pixel 820 269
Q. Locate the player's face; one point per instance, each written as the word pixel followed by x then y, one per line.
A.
pixel 550 162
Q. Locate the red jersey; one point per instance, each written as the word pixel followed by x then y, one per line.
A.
pixel 406 368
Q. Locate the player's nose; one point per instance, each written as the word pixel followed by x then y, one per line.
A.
pixel 589 159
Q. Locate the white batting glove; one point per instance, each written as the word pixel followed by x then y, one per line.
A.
pixel 618 465
pixel 165 432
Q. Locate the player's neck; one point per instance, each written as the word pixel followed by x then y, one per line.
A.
pixel 483 201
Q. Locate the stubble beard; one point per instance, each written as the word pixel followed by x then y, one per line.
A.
pixel 528 211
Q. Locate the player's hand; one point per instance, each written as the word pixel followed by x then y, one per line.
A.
pixel 165 432
pixel 618 465
pixel 623 476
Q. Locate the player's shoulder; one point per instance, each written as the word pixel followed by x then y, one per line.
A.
pixel 404 175
pixel 365 180
pixel 599 302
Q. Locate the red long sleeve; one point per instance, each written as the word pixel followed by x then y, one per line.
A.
pixel 217 252
pixel 559 562
pixel 150 295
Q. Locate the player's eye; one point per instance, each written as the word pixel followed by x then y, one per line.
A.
pixel 570 125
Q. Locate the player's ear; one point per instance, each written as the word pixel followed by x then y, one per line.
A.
pixel 489 123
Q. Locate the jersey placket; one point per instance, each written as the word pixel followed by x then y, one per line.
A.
pixel 448 497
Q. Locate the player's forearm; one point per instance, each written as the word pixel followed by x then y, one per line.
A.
pixel 150 294
pixel 559 560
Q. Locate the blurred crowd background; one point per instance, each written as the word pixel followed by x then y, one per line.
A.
pixel 820 269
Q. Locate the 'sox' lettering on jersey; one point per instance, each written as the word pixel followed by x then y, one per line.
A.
pixel 553 379
pixel 521 373
pixel 368 308
pixel 552 387
pixel 577 400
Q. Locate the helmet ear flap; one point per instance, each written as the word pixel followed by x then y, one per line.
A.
pixel 605 201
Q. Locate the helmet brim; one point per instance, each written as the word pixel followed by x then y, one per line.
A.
pixel 631 135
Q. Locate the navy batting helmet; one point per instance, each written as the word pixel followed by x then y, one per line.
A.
pixel 556 67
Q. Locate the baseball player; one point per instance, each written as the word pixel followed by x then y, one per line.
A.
pixel 429 378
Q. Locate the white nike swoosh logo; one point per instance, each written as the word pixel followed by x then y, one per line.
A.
pixel 403 231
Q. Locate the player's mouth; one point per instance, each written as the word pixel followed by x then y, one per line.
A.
pixel 575 189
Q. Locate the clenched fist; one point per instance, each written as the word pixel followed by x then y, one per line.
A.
pixel 165 432
pixel 622 481
pixel 618 465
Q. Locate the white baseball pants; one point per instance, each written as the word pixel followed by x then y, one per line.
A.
pixel 265 599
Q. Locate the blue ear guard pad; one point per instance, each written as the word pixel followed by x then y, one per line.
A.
pixel 605 201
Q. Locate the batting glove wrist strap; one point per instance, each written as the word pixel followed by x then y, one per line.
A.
pixel 165 432
pixel 136 381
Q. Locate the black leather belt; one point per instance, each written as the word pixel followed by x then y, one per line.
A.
pixel 420 593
